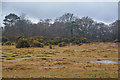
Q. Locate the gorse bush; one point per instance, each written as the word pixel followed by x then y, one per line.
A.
pixel 84 40
pixel 18 37
pixel 77 43
pixel 41 40
pixel 22 43
pixel 36 43
pixel 8 43
pixel 116 41
pixel 31 39
pixel 51 42
pixel 4 39
pixel 46 43
pixel 62 44
pixel 65 40
pixel 50 46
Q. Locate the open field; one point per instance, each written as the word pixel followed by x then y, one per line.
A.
pixel 60 62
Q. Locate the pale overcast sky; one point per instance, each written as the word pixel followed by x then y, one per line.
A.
pixel 101 11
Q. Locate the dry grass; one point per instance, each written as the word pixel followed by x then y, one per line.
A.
pixel 61 62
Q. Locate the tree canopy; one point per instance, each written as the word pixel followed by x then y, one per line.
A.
pixel 65 26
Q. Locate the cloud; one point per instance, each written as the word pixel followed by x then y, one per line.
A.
pixel 60 1
pixel 101 11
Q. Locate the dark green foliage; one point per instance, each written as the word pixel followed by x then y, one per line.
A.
pixel 10 19
pixel 79 41
pixel 4 39
pixel 55 42
pixel 50 46
pixel 62 44
pixel 18 37
pixel 8 43
pixel 76 43
pixel 79 44
pixel 2 43
pixel 36 43
pixel 41 40
pixel 46 43
pixel 22 43
pixel 84 40
pixel 116 41
pixel 66 28
pixel 65 40
pixel 31 39
pixel 52 42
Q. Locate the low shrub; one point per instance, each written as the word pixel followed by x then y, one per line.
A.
pixel 8 43
pixel 41 40
pixel 62 44
pixel 50 46
pixel 46 43
pixel 37 44
pixel 116 41
pixel 79 44
pixel 84 40
pixel 18 37
pixel 22 43
pixel 65 40
pixel 51 42
pixel 4 39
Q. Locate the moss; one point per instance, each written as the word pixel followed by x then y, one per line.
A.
pixel 48 55
pixel 101 51
pixel 58 62
pixel 22 56
pixel 10 58
pixel 40 55
pixel 16 53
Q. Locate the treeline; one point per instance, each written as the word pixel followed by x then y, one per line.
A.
pixel 66 26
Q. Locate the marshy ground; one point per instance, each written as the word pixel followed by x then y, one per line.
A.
pixel 60 62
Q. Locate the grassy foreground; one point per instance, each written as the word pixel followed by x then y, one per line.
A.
pixel 60 62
